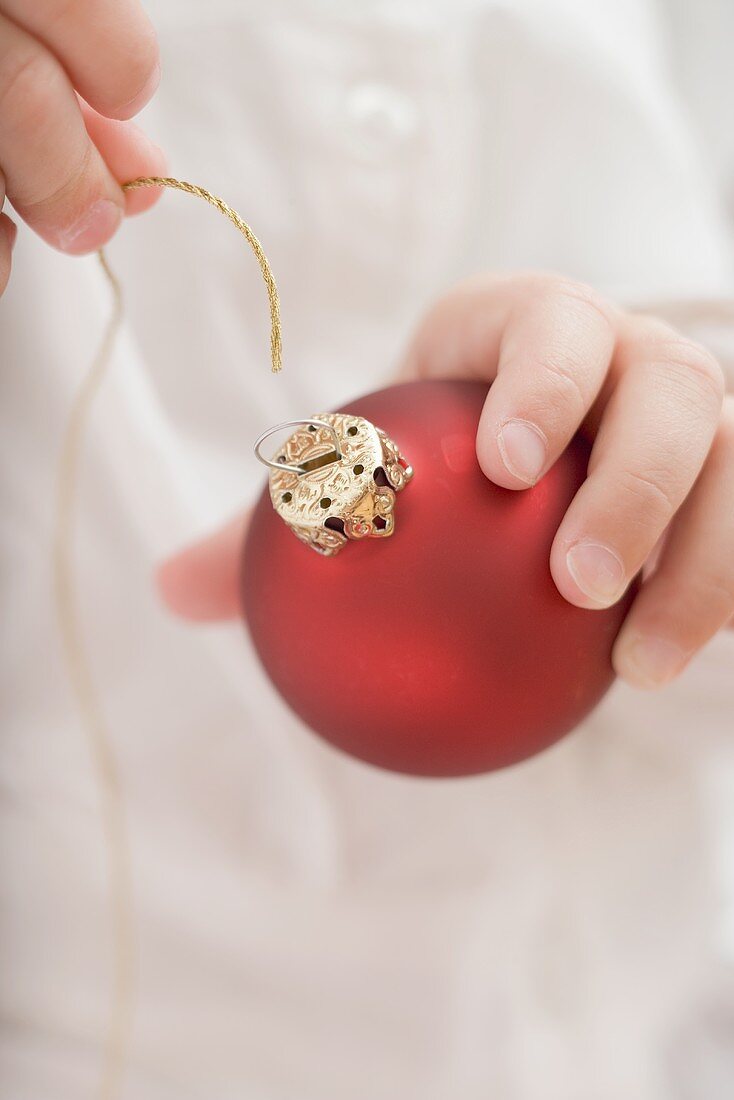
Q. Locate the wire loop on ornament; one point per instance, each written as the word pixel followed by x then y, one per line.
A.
pixel 296 424
pixel 112 811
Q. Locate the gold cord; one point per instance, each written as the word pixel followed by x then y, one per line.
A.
pixel 221 205
pixel 92 718
pixel 112 810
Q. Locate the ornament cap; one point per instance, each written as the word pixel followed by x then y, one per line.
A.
pixel 335 479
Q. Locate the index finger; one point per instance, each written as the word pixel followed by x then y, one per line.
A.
pixel 545 342
pixel 107 47
pixel 57 179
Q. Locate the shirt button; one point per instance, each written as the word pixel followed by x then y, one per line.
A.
pixel 379 119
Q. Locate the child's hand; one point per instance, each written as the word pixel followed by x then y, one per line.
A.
pixel 60 155
pixel 662 463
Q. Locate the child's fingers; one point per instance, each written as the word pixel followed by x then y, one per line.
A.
pixel 202 583
pixel 128 153
pixel 8 232
pixel 553 358
pixel 691 595
pixel 55 177
pixel 655 434
pixel 108 48
pixel 547 341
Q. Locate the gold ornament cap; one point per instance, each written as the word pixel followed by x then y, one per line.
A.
pixel 335 479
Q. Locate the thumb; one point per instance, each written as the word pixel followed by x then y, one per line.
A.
pixel 202 582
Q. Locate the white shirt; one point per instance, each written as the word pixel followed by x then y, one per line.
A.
pixel 309 928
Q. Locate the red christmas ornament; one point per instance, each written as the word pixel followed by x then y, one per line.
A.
pixel 445 649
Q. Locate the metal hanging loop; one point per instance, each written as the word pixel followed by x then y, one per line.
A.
pixel 294 424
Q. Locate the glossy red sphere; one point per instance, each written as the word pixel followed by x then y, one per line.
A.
pixel 445 649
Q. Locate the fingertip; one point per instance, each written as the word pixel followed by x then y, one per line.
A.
pixel 167 579
pixel 140 199
pixel 92 229
pixel 523 449
pixel 564 582
pixel 408 367
pixel 129 154
pixel 586 573
pixel 647 662
pixel 193 595
pixel 202 583
pixel 494 451
pixel 150 87
pixel 9 231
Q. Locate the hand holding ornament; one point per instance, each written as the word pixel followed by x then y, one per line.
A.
pixel 563 361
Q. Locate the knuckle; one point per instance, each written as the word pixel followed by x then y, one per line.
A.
pixel 25 81
pixel 583 322
pixel 562 290
pixel 649 496
pixel 587 300
pixel 564 369
pixel 648 328
pixel 694 367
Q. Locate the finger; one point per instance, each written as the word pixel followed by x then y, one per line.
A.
pixel 691 595
pixel 128 153
pixel 8 231
pixel 55 177
pixel 202 583
pixel 546 340
pixel 108 48
pixel 656 431
pixel 554 355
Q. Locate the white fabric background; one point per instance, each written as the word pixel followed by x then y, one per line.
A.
pixel 309 928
